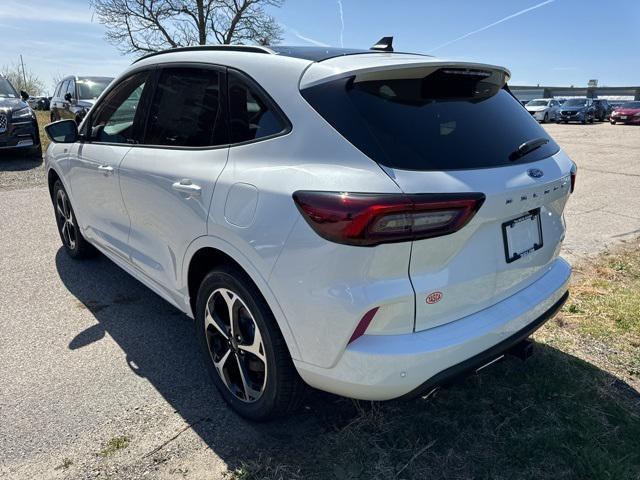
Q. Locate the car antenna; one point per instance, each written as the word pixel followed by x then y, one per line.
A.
pixel 385 44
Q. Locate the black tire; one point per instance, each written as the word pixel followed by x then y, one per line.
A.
pixel 612 122
pixel 282 389
pixel 546 118
pixel 74 243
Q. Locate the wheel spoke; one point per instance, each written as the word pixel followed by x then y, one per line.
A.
pixel 220 367
pixel 65 206
pixel 250 393
pixel 209 320
pixel 255 347
pixel 60 211
pixel 65 233
pixel 71 233
pixel 230 299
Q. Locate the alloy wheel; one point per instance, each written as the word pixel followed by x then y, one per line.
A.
pixel 235 345
pixel 66 223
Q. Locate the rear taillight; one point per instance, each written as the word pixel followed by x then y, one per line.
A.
pixel 371 219
pixel 574 171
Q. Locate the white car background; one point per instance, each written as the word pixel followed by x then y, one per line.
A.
pixel 544 109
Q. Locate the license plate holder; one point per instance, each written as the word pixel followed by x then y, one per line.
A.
pixel 522 236
pixel 623 117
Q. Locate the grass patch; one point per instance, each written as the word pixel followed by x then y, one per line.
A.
pixel 572 411
pixel 44 118
pixel 601 321
pixel 114 445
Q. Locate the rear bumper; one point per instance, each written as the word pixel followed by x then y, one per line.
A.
pixel 382 367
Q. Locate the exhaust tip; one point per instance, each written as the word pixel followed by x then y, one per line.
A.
pixel 522 350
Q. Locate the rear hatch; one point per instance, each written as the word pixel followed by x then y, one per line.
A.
pixel 437 127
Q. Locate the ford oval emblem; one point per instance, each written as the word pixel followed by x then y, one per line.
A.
pixel 535 173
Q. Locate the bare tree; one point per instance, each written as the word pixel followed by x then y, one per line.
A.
pixel 29 82
pixel 152 25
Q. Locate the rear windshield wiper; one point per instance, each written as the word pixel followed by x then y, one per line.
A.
pixel 528 147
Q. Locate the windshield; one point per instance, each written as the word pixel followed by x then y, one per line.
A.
pixel 6 89
pixel 416 124
pixel 575 102
pixel 630 105
pixel 91 88
pixel 537 103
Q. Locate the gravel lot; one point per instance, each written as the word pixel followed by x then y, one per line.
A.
pixel 89 355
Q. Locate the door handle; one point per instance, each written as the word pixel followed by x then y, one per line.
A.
pixel 185 186
pixel 106 169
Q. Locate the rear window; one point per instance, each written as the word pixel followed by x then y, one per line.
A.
pixel 444 121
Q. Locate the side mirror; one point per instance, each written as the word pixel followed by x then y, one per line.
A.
pixel 64 131
pixel 67 97
pixel 24 95
pixel 96 132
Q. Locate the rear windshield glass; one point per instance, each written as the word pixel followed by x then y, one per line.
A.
pixel 430 123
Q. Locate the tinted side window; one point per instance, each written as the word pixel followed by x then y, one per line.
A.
pixel 114 118
pixel 186 110
pixel 56 93
pixel 250 115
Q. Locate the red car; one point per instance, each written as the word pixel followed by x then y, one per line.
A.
pixel 626 113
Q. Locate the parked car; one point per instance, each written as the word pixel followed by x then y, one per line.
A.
pixel 74 96
pixel 346 218
pixel 544 109
pixel 38 103
pixel 577 110
pixel 626 113
pixel 617 103
pixel 18 124
pixel 602 109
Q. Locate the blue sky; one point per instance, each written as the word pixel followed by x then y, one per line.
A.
pixel 552 42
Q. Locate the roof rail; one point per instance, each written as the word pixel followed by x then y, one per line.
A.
pixel 195 48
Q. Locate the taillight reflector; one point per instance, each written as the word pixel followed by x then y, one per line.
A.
pixel 363 324
pixel 368 219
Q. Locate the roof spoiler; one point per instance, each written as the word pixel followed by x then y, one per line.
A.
pixel 394 68
pixel 385 44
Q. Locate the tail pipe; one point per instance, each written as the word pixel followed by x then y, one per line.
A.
pixel 522 350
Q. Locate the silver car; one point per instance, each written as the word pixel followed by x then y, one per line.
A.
pixel 544 109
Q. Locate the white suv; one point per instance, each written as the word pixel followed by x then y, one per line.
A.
pixel 369 222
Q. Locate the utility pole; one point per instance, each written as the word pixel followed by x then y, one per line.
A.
pixel 24 76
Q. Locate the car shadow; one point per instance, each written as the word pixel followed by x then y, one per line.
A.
pixel 160 346
pixel 17 162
